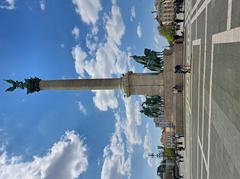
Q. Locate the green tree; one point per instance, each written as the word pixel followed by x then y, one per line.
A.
pixel 167 32
pixel 169 153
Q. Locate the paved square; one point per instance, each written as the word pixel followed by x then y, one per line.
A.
pixel 212 90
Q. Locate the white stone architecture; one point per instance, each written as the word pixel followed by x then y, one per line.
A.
pixel 162 122
pixel 165 11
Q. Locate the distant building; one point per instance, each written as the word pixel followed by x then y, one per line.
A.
pixel 161 122
pixel 167 137
pixel 165 169
pixel 165 11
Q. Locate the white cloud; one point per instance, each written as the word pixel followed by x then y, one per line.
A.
pixel 109 59
pixel 115 26
pixel 79 56
pixel 94 30
pixel 146 70
pixel 118 154
pixel 133 120
pixel 117 163
pixel 66 159
pixel 147 146
pixel 88 10
pixel 156 40
pixel 42 5
pixel 160 42
pixel 76 32
pixel 105 99
pixel 142 98
pixel 114 1
pixel 139 31
pixel 9 4
pixel 91 46
pixel 92 41
pixel 133 13
pixel 82 107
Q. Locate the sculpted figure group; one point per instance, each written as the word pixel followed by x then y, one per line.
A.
pixel 152 60
pixel 153 106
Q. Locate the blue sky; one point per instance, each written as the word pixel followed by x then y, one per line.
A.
pixel 74 134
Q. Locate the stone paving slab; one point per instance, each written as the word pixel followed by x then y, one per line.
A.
pixel 235 14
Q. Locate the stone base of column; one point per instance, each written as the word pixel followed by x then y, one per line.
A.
pixel 142 84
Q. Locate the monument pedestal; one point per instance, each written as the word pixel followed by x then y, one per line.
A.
pixel 142 84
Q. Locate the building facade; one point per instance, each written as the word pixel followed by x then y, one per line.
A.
pixel 167 137
pixel 165 11
pixel 161 122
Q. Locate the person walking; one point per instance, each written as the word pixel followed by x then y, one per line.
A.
pixel 182 69
pixel 177 89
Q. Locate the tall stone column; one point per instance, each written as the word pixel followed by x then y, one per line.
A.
pixel 81 84
pixel 131 84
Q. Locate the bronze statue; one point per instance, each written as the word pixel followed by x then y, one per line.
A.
pixel 151 60
pixel 140 59
pixel 153 99
pixel 152 53
pixel 149 113
pixel 154 65
pixel 153 106
pixel 15 84
pixel 32 85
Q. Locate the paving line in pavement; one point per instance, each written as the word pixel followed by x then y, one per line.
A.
pixel 204 75
pixel 210 108
pixel 229 15
pixel 196 29
pixel 187 151
pixel 203 6
pixel 229 36
pixel 203 155
pixel 189 61
pixel 189 15
pixel 197 42
pixel 199 73
pixel 188 122
pixel 188 107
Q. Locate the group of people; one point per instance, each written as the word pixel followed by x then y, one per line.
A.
pixel 153 106
pixel 179 6
pixel 182 70
pixel 179 10
pixel 152 60
pixel 179 157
